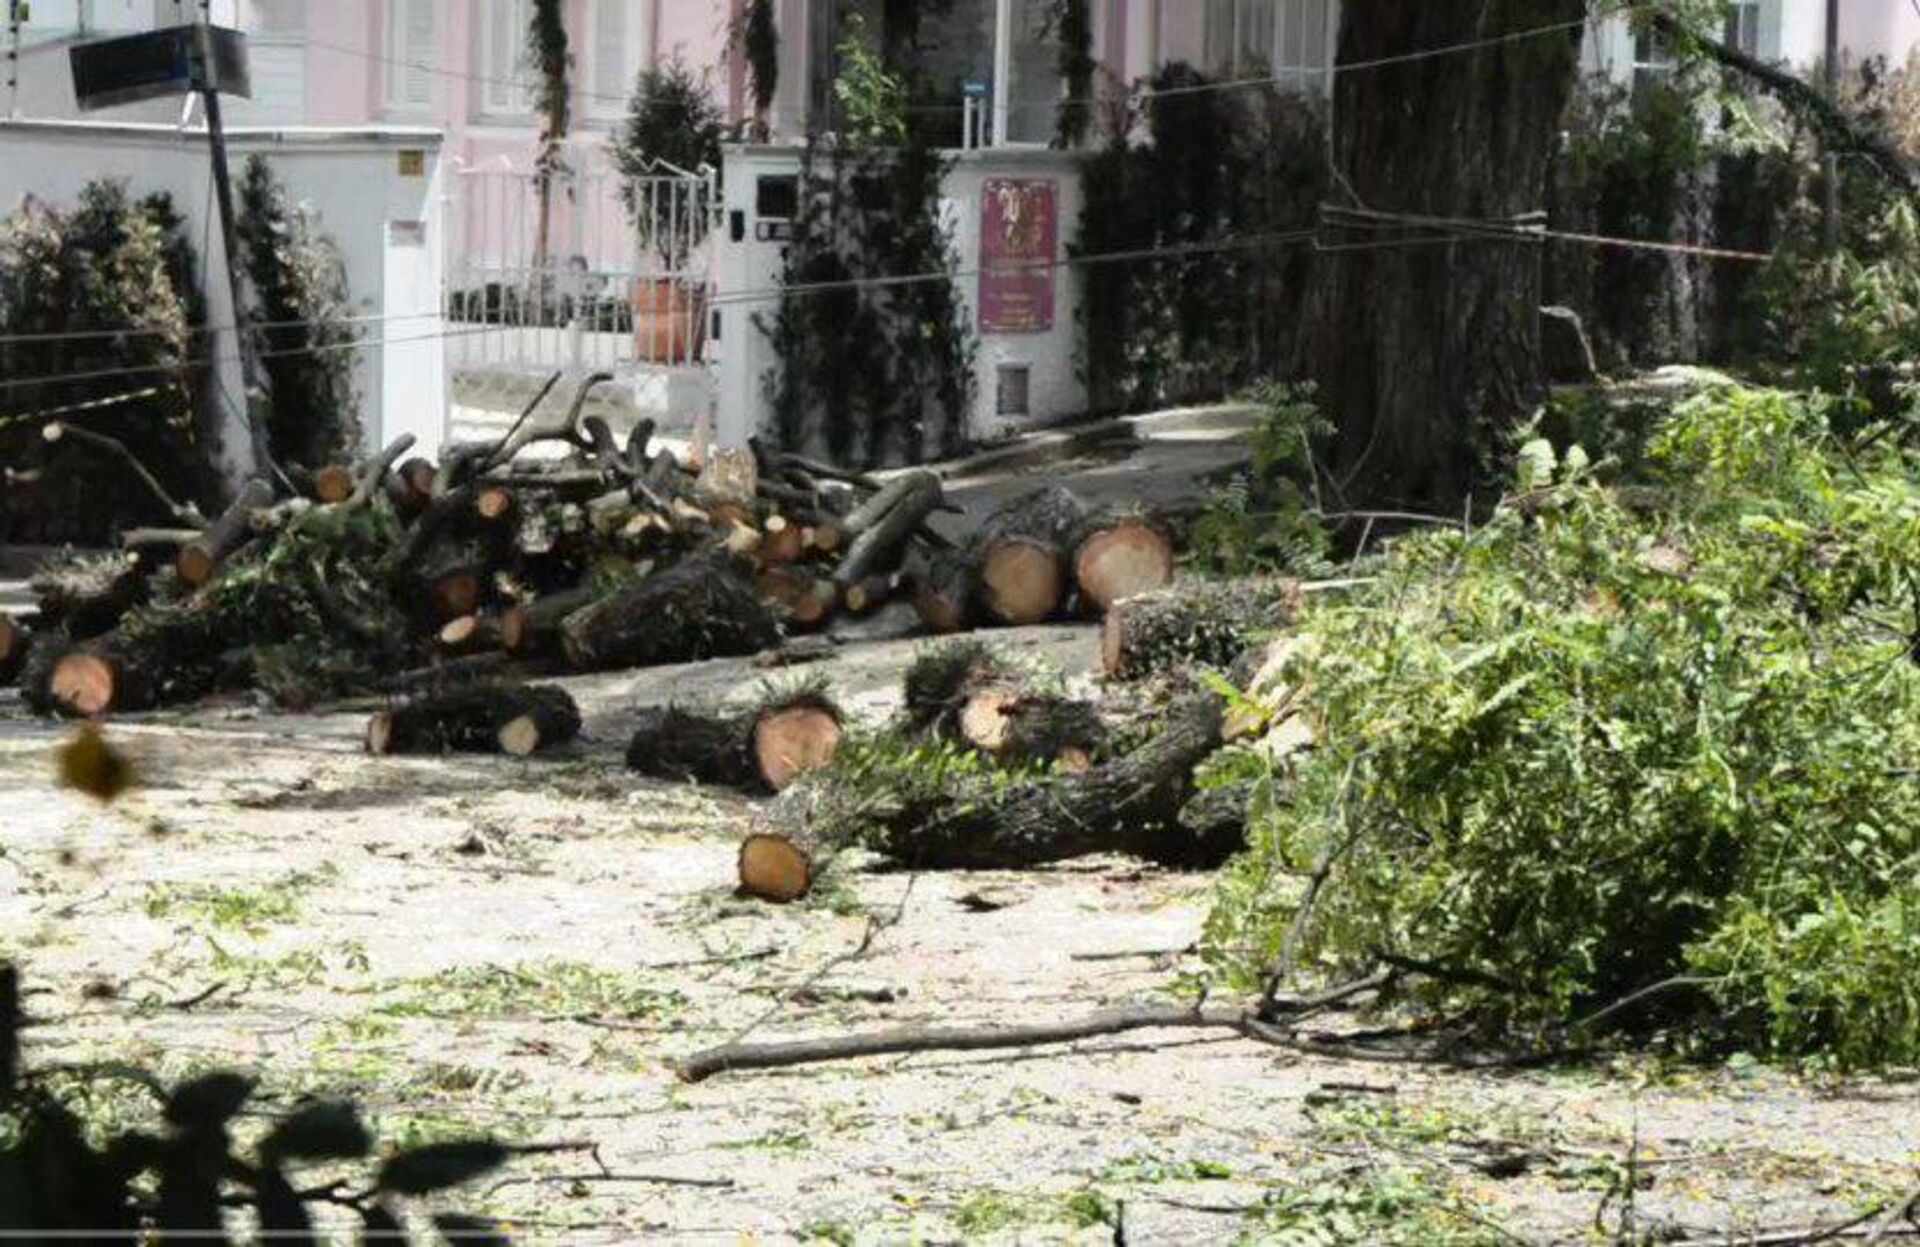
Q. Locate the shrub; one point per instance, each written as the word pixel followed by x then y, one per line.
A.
pixel 672 126
pixel 1593 747
pixel 304 322
pixel 1267 519
pixel 105 296
pixel 872 372
pixel 1215 169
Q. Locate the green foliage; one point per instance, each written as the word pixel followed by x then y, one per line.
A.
pixel 870 371
pixel 672 126
pixel 1267 519
pixel 1586 748
pixel 304 320
pixel 1217 169
pixel 759 38
pixel 871 99
pixel 549 58
pixel 110 263
pixel 1072 23
pixel 176 1172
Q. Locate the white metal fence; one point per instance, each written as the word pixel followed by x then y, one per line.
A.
pixel 608 272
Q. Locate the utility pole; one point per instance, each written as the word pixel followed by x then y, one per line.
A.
pixel 1831 163
pixel 252 379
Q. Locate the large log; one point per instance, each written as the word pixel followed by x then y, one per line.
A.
pixel 1120 556
pixel 87 597
pixel 1022 553
pixel 704 606
pixel 1199 624
pixel 160 657
pixel 945 584
pixel 765 748
pixel 200 559
pixel 480 718
pixel 1129 805
pixel 968 692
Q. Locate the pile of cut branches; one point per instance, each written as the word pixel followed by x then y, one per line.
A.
pixel 398 575
pixel 1630 757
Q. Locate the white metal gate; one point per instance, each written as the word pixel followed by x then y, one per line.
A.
pixel 623 278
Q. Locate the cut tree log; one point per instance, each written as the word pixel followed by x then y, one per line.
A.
pixel 470 634
pixel 765 748
pixel 967 691
pixel 1128 805
pixel 778 867
pixel 868 594
pixel 704 606
pixel 200 559
pixel 333 483
pixel 1121 557
pixel 87 597
pixel 534 627
pixel 881 527
pixel 945 586
pixel 1200 624
pixel 478 718
pixel 1022 552
pixel 802 599
pixel 176 654
pixel 783 541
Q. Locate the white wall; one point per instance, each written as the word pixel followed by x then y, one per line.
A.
pixel 744 356
pixel 353 180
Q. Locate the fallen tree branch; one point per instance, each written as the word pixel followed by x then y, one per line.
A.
pixel 1248 1023
pixel 1803 98
pixel 56 432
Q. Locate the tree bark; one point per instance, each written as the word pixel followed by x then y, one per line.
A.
pixel 1205 625
pixel 1129 805
pixel 1426 353
pixel 701 607
pixel 476 719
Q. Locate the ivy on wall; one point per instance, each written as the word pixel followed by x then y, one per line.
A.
pixel 1073 30
pixel 1205 171
pixel 870 373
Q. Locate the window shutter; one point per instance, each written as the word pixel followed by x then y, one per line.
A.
pixel 611 52
pixel 416 50
pixel 504 37
pixel 1770 17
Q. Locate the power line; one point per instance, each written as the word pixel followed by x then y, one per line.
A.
pixel 135 331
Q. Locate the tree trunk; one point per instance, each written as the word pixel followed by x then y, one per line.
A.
pixel 1427 353
pixel 1194 625
pixel 479 718
pixel 765 748
pixel 1129 805
pixel 701 607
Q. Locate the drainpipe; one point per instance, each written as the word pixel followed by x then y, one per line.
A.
pixel 1002 68
pixel 1832 160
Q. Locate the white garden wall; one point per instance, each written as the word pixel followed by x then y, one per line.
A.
pixel 377 192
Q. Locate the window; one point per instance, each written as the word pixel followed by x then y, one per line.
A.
pixel 616 53
pixel 503 41
pixel 279 20
pixel 410 55
pixel 48 21
pixel 1291 39
pixel 1743 26
pixel 1652 59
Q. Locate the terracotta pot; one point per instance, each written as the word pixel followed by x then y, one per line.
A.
pixel 669 320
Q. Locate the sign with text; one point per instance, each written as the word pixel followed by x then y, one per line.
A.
pixel 158 63
pixel 1019 232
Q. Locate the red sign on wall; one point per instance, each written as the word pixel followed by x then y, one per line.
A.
pixel 1019 230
